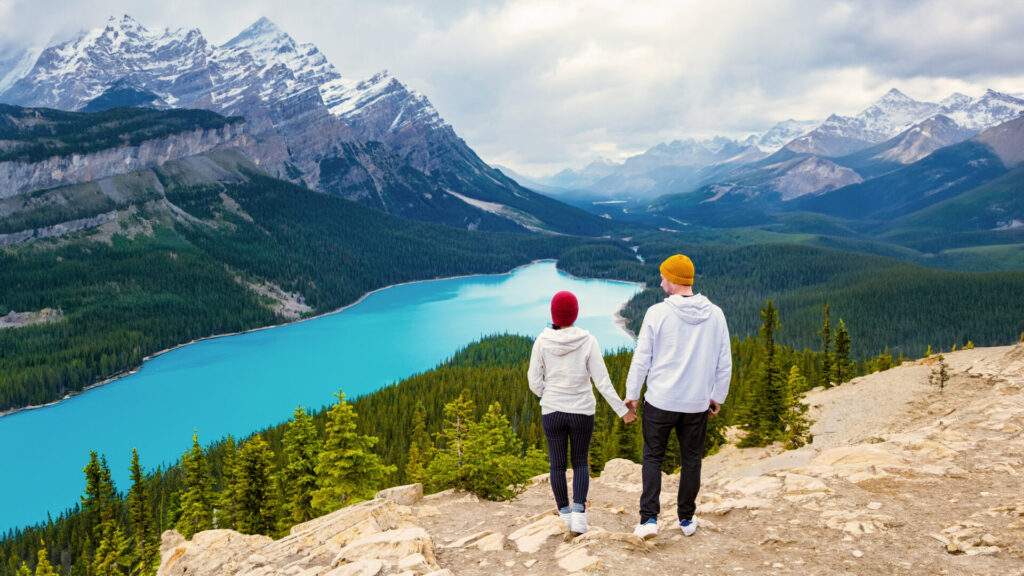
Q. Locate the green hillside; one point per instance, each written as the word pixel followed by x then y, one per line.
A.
pixel 981 216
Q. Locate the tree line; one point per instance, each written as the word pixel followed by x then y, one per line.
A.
pixel 884 301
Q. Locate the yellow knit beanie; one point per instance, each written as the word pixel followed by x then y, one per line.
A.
pixel 678 269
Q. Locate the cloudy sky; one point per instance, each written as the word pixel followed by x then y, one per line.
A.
pixel 538 86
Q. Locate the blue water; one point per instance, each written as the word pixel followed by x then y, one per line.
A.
pixel 242 383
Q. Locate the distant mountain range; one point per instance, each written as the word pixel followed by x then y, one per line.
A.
pixel 796 157
pixel 892 166
pixel 372 140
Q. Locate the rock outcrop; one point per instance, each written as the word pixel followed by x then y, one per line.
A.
pixel 20 177
pixel 902 478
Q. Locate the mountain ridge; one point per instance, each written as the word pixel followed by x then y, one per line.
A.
pixel 300 112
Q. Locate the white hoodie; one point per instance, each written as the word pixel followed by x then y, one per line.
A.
pixel 562 364
pixel 683 351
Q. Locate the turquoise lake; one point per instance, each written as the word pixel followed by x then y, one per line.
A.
pixel 242 383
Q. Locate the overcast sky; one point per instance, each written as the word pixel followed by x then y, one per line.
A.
pixel 538 86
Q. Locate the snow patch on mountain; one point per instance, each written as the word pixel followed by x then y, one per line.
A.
pixel 17 67
pixel 990 109
pixel 782 133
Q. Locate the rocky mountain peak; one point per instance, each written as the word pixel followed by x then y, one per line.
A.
pixel 780 134
pixel 124 24
pixel 894 96
pixel 891 114
pixel 990 109
pixel 1006 140
pixel 955 101
pixel 261 39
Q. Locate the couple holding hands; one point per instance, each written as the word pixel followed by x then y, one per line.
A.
pixel 682 352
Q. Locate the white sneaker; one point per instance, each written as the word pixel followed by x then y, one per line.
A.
pixel 646 531
pixel 688 526
pixel 567 518
pixel 579 523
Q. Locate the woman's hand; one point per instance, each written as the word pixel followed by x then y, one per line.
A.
pixel 629 417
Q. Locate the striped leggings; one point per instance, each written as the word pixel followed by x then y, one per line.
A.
pixel 564 430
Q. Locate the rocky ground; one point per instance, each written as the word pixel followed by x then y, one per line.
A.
pixel 901 478
pixel 18 319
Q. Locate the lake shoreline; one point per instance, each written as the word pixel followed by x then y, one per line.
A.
pixel 619 320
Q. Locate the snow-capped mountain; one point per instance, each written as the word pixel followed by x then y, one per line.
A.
pixel 373 140
pixel 259 67
pixel 887 117
pixel 976 114
pixel 269 46
pixel 782 133
pixel 896 112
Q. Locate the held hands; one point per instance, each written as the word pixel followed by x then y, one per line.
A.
pixel 630 417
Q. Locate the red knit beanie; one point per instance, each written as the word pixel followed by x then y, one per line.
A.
pixel 564 309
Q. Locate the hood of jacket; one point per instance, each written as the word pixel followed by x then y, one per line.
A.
pixel 564 341
pixel 693 309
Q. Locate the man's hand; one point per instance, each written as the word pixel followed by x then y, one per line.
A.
pixel 629 417
pixel 713 409
pixel 633 405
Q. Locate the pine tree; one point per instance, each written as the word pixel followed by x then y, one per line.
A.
pixel 796 429
pixel 446 468
pixel 597 450
pixel 113 556
pixel 196 514
pixel 347 471
pixel 420 448
pixel 939 375
pixel 254 485
pixel 301 452
pixel 826 350
pixel 764 418
pixel 43 566
pixel 495 465
pixel 226 515
pixel 101 499
pixel 884 361
pixel 627 441
pixel 715 436
pixel 673 455
pixel 97 493
pixel 842 368
pixel 145 554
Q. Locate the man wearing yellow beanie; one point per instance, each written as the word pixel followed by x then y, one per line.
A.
pixel 684 355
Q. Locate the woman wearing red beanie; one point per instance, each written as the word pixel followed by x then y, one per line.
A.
pixel 565 359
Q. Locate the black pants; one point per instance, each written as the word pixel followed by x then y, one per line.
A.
pixel 563 430
pixel 690 431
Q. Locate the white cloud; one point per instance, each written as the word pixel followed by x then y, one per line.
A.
pixel 538 85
